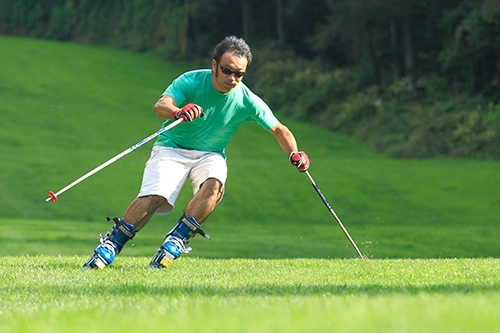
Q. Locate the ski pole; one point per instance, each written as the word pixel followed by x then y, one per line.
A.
pixel 54 196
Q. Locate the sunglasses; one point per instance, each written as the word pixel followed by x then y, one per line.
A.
pixel 229 71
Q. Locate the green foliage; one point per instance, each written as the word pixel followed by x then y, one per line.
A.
pixel 299 88
pixel 133 25
pixel 471 55
pixel 397 121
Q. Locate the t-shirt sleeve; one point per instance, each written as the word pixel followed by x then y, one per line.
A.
pixel 179 89
pixel 264 116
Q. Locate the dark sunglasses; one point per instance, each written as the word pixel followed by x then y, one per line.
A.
pixel 229 71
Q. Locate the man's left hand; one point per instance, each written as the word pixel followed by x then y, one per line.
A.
pixel 300 160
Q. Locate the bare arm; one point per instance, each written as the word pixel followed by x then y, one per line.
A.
pixel 165 107
pixel 285 138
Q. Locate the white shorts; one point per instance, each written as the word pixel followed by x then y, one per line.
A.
pixel 168 168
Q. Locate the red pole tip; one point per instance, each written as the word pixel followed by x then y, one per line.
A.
pixel 52 196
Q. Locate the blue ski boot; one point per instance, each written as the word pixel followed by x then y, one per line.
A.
pixel 111 244
pixel 175 242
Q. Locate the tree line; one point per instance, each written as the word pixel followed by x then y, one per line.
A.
pixel 415 78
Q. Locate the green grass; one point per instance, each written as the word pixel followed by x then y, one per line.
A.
pixel 277 259
pixel 67 108
pixel 51 294
pixel 65 237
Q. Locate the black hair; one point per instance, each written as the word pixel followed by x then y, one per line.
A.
pixel 236 46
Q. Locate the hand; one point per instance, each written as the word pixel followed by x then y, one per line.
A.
pixel 300 160
pixel 189 112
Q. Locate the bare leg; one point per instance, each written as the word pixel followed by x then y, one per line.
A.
pixel 205 200
pixel 139 212
pixel 199 207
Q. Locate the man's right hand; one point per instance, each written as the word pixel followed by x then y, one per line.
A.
pixel 189 112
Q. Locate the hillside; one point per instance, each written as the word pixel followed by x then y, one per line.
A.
pixel 66 108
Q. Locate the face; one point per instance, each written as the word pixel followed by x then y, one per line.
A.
pixel 228 72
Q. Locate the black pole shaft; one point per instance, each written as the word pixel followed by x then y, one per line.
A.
pixel 327 204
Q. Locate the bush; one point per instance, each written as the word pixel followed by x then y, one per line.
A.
pixel 400 123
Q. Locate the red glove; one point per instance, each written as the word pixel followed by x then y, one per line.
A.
pixel 300 160
pixel 189 112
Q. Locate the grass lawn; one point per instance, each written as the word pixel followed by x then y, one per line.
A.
pixel 51 294
pixel 278 262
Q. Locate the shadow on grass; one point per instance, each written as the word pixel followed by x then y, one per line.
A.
pixel 131 290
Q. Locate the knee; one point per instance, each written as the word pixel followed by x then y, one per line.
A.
pixel 153 201
pixel 213 187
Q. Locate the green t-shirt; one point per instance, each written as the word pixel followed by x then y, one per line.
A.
pixel 224 113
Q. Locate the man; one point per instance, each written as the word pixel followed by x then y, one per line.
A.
pixel 213 104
